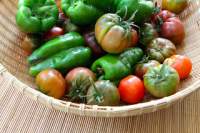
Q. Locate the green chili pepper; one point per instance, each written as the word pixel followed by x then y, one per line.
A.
pixel 56 45
pixel 80 12
pixel 115 67
pixel 35 16
pixel 64 61
pixel 143 9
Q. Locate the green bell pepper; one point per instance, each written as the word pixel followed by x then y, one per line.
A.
pixel 80 12
pixel 143 9
pixel 115 67
pixel 64 60
pixel 34 16
pixel 69 40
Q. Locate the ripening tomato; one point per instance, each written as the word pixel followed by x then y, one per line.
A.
pixel 79 80
pixel 54 32
pixel 182 64
pixel 161 81
pixel 176 6
pixel 51 82
pixel 74 73
pixel 173 29
pixel 162 16
pixel 131 89
pixel 159 49
pixel 113 34
pixel 142 67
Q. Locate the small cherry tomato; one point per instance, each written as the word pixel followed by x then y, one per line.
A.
pixel 54 32
pixel 52 83
pixel 176 6
pixel 131 89
pixel 182 64
pixel 173 30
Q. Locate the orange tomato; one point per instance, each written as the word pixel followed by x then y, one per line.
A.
pixel 131 89
pixel 182 64
pixel 52 83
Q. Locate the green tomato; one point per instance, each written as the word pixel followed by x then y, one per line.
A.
pixel 103 93
pixel 159 49
pixel 161 81
pixel 147 34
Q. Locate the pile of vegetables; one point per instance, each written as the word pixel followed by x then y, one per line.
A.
pixel 107 52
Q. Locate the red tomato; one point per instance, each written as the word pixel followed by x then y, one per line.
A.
pixel 173 30
pixel 54 32
pixel 131 89
pixel 182 64
pixel 162 16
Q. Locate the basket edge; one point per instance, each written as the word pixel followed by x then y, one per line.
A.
pixel 94 110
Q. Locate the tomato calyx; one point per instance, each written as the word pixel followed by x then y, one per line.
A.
pixel 145 59
pixel 159 76
pixel 128 25
pixel 97 95
pixel 157 9
pixel 79 88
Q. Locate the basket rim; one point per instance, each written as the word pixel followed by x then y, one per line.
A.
pixel 94 110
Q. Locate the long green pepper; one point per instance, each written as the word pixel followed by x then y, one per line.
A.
pixel 65 60
pixel 69 40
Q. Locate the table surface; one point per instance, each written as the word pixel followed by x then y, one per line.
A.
pixel 18 113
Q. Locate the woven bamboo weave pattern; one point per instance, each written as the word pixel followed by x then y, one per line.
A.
pixel 20 114
pixel 13 59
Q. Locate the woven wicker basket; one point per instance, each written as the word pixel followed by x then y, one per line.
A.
pixel 13 66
